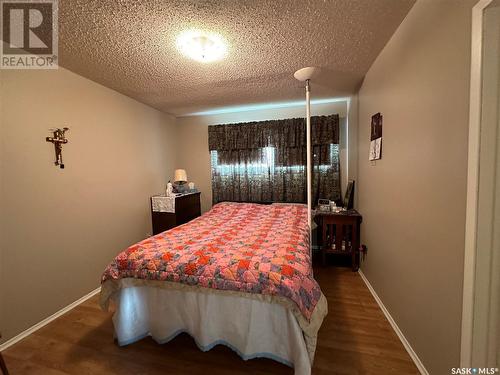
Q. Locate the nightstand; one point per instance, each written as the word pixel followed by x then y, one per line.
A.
pixel 169 212
pixel 339 234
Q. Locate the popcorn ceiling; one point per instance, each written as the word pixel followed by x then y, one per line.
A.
pixel 129 46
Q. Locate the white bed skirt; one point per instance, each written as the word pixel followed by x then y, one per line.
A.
pixel 250 327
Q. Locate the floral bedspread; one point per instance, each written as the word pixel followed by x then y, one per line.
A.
pixel 242 247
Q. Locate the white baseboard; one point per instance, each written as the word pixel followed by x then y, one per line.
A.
pixel 395 327
pixel 46 321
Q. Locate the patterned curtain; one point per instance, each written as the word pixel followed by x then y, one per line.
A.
pixel 266 161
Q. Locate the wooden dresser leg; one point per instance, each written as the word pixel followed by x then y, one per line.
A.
pixel 355 246
pixel 353 260
pixel 3 366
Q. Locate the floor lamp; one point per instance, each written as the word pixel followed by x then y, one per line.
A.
pixel 305 75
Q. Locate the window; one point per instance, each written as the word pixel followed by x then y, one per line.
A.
pixel 266 162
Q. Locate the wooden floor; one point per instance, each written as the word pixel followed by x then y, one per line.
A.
pixel 355 339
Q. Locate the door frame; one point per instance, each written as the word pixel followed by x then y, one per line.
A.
pixel 469 309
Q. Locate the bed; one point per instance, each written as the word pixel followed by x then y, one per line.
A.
pixel 239 275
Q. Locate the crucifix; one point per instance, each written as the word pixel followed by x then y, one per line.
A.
pixel 58 139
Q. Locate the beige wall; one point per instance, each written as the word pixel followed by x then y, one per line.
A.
pixel 193 139
pixel 61 227
pixel 413 200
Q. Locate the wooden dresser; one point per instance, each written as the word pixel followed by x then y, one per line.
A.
pixel 186 208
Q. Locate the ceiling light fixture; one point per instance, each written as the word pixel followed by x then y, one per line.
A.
pixel 202 46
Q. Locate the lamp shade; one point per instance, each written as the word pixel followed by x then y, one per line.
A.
pixel 180 175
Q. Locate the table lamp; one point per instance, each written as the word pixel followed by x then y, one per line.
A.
pixel 180 179
pixel 180 176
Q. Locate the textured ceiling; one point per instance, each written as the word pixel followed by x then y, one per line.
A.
pixel 130 46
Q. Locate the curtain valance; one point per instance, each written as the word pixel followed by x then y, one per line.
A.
pixel 274 133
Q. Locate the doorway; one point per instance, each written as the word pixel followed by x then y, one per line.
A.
pixel 481 325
